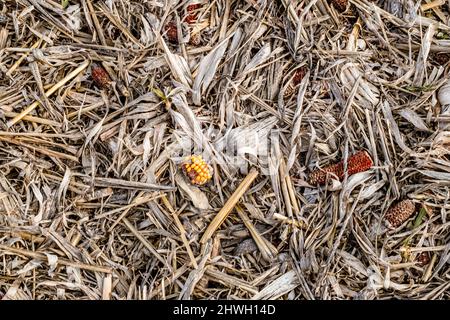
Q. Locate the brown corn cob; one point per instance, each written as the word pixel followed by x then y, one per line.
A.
pixel 194 39
pixel 340 5
pixel 172 32
pixel 359 162
pixel 442 58
pixel 100 77
pixel 423 259
pixel 298 77
pixel 197 170
pixel 400 212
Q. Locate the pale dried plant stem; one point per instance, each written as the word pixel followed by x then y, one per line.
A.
pixel 34 119
pixel 82 111
pixel 229 205
pixel 144 241
pixel 28 236
pixel 136 202
pixel 285 219
pixel 230 281
pixel 43 257
pixel 47 152
pixel 429 271
pixel 292 195
pixel 107 287
pixel 18 62
pixel 182 231
pixel 173 279
pixel 284 188
pixel 427 249
pixel 268 250
pixel 97 25
pixel 52 90
pixel 123 214
pixel 432 5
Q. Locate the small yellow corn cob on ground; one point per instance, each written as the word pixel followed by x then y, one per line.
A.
pixel 197 170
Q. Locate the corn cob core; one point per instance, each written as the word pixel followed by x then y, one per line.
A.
pixel 197 170
pixel 400 212
pixel 340 5
pixel 100 77
pixel 442 58
pixel 359 162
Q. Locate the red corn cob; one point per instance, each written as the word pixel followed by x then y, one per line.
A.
pixel 172 32
pixel 298 77
pixel 359 162
pixel 100 77
pixel 192 16
pixel 400 212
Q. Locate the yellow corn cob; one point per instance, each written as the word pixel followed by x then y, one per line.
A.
pixel 197 170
